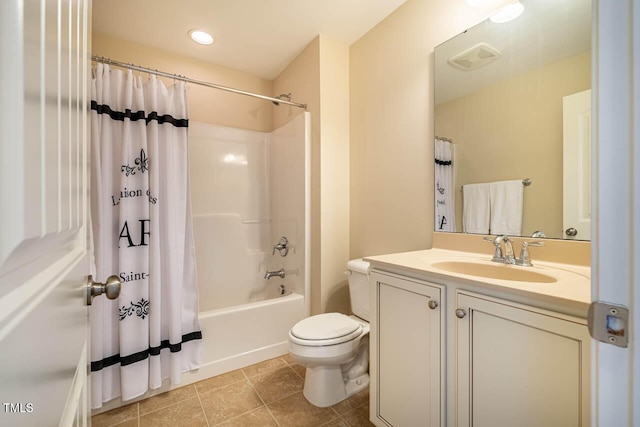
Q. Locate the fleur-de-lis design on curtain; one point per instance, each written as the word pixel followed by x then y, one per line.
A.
pixel 142 161
pixel 142 164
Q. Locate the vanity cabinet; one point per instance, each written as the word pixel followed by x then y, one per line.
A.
pixel 444 355
pixel 519 366
pixel 406 352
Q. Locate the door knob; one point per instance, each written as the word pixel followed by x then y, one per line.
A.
pixel 571 232
pixel 111 288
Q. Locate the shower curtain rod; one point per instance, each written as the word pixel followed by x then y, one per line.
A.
pixel 188 80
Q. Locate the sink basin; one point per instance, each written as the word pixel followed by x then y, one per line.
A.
pixel 497 271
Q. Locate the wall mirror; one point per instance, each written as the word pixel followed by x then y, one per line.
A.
pixel 512 102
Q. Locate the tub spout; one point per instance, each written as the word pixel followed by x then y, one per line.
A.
pixel 269 274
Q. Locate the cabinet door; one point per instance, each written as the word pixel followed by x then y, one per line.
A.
pixel 406 353
pixel 520 366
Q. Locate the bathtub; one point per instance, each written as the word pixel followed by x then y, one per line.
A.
pixel 239 336
pixel 235 337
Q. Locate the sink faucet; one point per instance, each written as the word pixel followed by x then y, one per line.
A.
pixel 508 257
pixel 269 274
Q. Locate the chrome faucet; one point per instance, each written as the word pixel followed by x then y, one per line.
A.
pixel 508 257
pixel 269 274
pixel 282 247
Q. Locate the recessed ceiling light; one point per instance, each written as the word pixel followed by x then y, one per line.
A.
pixel 201 37
pixel 508 13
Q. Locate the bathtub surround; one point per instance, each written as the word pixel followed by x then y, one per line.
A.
pixel 141 213
pixel 249 189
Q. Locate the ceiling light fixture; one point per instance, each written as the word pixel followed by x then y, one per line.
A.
pixel 201 37
pixel 508 13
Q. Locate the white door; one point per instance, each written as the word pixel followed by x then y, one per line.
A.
pixel 615 259
pixel 44 218
pixel 576 166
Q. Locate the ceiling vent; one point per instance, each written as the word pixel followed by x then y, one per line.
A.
pixel 475 57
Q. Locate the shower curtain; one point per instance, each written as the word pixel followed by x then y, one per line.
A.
pixel 142 232
pixel 444 197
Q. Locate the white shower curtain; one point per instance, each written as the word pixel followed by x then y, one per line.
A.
pixel 142 232
pixel 444 196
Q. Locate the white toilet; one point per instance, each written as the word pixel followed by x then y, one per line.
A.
pixel 335 347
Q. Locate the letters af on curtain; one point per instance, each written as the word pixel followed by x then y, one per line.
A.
pixel 142 232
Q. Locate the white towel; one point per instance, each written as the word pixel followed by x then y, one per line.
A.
pixel 506 207
pixel 475 208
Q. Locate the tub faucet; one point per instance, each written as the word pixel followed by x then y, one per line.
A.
pixel 269 274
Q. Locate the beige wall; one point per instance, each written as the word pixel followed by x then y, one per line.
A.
pixel 205 104
pixel 334 170
pixel 319 76
pixel 391 110
pixel 513 130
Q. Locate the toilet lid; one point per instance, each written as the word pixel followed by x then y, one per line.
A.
pixel 326 326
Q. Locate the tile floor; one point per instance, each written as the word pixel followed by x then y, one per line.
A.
pixel 261 395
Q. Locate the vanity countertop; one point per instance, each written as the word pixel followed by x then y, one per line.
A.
pixel 571 288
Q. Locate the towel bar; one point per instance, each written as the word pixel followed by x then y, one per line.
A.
pixel 526 182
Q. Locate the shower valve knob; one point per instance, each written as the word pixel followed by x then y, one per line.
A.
pixel 282 247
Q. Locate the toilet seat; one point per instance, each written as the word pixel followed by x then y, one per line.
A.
pixel 325 329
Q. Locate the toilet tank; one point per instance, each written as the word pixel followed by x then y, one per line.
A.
pixel 359 287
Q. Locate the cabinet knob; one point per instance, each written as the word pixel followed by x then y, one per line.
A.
pixel 460 313
pixel 433 304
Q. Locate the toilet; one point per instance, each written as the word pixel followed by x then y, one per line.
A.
pixel 334 347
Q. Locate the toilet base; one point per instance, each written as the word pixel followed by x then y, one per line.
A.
pixel 324 385
pixel 356 385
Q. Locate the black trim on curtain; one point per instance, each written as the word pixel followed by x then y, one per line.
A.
pixel 144 354
pixel 138 115
pixel 443 162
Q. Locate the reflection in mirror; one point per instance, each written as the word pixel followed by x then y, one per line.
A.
pixel 504 109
